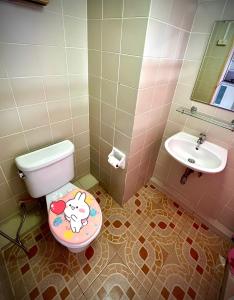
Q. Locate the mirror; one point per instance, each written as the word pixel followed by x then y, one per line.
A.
pixel 215 80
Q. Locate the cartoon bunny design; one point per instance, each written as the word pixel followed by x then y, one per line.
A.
pixel 77 212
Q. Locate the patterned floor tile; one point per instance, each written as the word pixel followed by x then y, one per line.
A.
pixel 116 281
pixel 150 248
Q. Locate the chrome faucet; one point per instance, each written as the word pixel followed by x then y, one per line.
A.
pixel 201 140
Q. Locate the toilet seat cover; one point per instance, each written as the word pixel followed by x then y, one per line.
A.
pixel 75 217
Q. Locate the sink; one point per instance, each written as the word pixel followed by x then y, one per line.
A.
pixel 209 158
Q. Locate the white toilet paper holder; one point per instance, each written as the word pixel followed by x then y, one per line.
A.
pixel 117 158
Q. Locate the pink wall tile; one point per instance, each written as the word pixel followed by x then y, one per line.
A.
pixel 149 71
pixel 144 100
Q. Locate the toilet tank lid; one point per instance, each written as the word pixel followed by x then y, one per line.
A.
pixel 44 157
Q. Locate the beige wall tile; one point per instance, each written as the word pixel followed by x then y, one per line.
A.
pixel 81 124
pixel 94 87
pixel 5 192
pixel 53 60
pixel 6 97
pixel 33 116
pixel 94 34
pixel 56 88
pixel 12 146
pixel 207 13
pixel 82 154
pixel 28 90
pixel 112 8
pixel 38 138
pixel 77 60
pixel 107 133
pixel 161 10
pixel 78 85
pixel 61 131
pixel 80 106
pixel 130 68
pixel 59 110
pixel 2 179
pixel 81 140
pixel 94 62
pixel 124 122
pixel 76 8
pixel 136 8
pixel 22 60
pixel 83 168
pixel 108 114
pixel 133 36
pixel 94 9
pixel 110 65
pixel 127 98
pixel 8 208
pixel 9 122
pixel 76 32
pixel 122 142
pixel 108 92
pixel 94 108
pixel 196 46
pixel 111 31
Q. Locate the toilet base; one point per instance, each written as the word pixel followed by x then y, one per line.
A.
pixel 78 250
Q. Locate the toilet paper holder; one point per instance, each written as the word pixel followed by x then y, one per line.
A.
pixel 117 158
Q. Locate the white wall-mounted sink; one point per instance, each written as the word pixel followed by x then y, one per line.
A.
pixel 209 158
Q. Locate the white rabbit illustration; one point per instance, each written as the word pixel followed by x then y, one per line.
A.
pixel 77 212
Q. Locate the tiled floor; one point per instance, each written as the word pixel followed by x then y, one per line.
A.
pixel 149 249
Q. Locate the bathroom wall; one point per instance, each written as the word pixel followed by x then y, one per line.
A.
pixel 210 196
pixel 43 86
pixel 116 37
pixel 169 25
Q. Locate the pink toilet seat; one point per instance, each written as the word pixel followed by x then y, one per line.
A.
pixel 63 228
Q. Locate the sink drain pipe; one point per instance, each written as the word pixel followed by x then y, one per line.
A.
pixel 186 174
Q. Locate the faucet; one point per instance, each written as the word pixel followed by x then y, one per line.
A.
pixel 200 140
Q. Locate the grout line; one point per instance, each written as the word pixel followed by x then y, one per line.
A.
pixel 47 109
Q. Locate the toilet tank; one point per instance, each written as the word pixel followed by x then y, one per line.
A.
pixel 47 169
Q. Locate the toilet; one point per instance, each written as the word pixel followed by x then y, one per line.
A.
pixel 74 216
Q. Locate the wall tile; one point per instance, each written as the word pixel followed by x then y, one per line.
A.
pixel 94 34
pixel 124 122
pixel 76 8
pixel 81 124
pixel 80 106
pixel 122 142
pixel 136 8
pixel 33 116
pixel 107 133
pixel 22 60
pixel 81 140
pixel 207 13
pixel 77 60
pixel 78 86
pixel 161 10
pixel 112 8
pixel 110 65
pixel 38 138
pixel 111 30
pixel 76 32
pixel 56 88
pixel 94 9
pixel 133 36
pixel 130 70
pixel 9 122
pixel 9 168
pixel 58 111
pixel 126 99
pixel 108 92
pixel 28 90
pixel 94 87
pixel 94 62
pixel 61 131
pixel 94 108
pixel 12 146
pixel 6 97
pixel 108 114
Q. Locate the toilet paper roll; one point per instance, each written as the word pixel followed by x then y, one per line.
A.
pixel 113 161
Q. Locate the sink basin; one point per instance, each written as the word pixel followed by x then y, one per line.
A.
pixel 209 158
